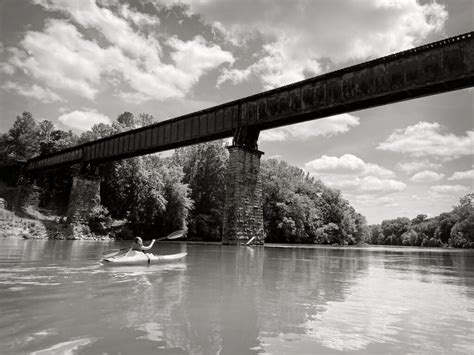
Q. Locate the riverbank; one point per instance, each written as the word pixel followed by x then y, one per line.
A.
pixel 33 224
pixel 37 225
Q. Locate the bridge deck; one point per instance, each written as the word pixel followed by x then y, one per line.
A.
pixel 430 69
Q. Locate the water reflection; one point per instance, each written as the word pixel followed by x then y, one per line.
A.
pixel 55 297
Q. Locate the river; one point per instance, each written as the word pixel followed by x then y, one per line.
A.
pixel 55 298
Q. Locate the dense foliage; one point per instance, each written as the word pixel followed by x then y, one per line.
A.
pixel 204 167
pixel 455 228
pixel 299 209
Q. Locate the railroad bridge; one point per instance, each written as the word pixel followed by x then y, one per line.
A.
pixel 434 68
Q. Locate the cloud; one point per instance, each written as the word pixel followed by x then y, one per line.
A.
pixel 138 18
pixel 449 189
pixel 62 57
pixel 346 164
pixel 365 185
pixel 417 165
pixel 114 28
pixel 83 120
pixel 34 91
pixel 426 176
pixel 325 127
pixel 462 175
pixel 133 97
pixel 7 68
pixel 353 176
pixel 194 57
pixel 374 184
pixel 426 139
pixel 293 46
pixel 277 68
pixel 370 201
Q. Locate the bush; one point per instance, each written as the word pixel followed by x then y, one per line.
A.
pixel 99 220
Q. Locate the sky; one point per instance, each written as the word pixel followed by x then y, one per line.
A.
pixel 78 63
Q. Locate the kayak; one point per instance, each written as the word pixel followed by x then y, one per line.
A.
pixel 140 258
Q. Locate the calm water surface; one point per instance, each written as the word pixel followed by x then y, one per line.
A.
pixel 55 298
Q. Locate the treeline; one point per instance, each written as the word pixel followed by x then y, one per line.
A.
pixel 157 195
pixel 455 228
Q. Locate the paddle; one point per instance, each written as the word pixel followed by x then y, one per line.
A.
pixel 112 252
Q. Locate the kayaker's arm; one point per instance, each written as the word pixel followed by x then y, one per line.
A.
pixel 150 246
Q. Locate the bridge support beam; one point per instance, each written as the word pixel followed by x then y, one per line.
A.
pixel 85 194
pixel 243 214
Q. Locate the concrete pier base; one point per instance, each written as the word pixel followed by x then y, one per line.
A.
pixel 243 214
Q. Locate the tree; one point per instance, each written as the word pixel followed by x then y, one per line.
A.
pixel 145 119
pixel 419 219
pixel 362 231
pixel 290 203
pixel 395 227
pixel 127 120
pixel 52 139
pixel 445 222
pixel 376 234
pixel 204 167
pixel 21 141
pixel 410 237
pixel 97 131
pixel 328 234
pixel 462 233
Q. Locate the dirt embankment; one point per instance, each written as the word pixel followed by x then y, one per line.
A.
pixel 37 225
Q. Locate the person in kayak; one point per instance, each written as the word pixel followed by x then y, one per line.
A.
pixel 138 245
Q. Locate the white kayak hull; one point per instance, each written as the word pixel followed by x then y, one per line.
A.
pixel 139 258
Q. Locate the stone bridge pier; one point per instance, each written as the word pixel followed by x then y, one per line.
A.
pixel 85 195
pixel 243 213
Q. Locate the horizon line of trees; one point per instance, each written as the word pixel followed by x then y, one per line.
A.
pixel 454 228
pixel 187 190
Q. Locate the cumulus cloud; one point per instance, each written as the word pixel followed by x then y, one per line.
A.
pixel 346 164
pixel 354 176
pixel 417 165
pixel 463 175
pixel 365 185
pixel 34 91
pixel 449 189
pixel 62 57
pixel 373 184
pixel 138 18
pixel 83 120
pixel 325 127
pixel 426 176
pixel 426 139
pixel 291 31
